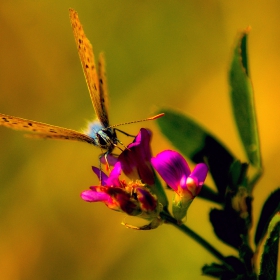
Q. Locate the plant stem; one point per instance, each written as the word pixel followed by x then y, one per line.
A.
pixel 169 219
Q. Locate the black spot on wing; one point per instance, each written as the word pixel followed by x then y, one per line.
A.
pixel 5 119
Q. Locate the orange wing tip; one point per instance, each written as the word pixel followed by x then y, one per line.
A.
pixel 71 10
pixel 156 117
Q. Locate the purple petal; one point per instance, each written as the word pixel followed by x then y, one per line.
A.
pixel 171 166
pixel 199 173
pixel 183 182
pixel 143 138
pixel 135 160
pixel 113 179
pixel 99 173
pixel 111 159
pixel 93 196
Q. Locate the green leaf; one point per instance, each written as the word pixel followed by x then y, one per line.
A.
pixel 270 254
pixel 237 175
pixel 197 144
pixel 270 208
pixel 233 268
pixel 228 226
pixel 215 270
pixel 246 254
pixel 242 98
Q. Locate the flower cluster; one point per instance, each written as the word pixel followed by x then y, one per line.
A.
pixel 140 193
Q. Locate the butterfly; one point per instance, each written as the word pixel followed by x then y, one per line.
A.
pixel 99 132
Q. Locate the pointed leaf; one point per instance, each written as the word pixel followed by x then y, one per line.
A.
pixel 242 97
pixel 246 255
pixel 237 175
pixel 232 223
pixel 270 254
pixel 197 144
pixel 228 226
pixel 215 270
pixel 270 208
pixel 233 269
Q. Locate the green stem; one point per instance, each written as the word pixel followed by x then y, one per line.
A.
pixel 255 178
pixel 169 219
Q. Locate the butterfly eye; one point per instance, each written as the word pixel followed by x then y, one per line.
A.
pixel 101 140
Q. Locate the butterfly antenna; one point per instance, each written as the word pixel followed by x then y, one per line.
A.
pixel 144 120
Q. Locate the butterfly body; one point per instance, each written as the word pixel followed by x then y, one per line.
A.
pixel 105 138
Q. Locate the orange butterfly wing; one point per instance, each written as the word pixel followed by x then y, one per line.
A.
pixel 96 84
pixel 43 130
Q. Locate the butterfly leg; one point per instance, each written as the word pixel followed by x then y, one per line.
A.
pixel 105 155
pixel 100 169
pixel 126 148
pixel 106 160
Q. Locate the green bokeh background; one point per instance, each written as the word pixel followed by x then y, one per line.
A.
pixel 158 53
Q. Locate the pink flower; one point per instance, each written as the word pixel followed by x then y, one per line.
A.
pixel 133 198
pixel 175 171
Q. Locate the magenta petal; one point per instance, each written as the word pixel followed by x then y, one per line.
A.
pixel 171 166
pixel 143 138
pixel 136 159
pixel 183 182
pixel 113 179
pixel 199 173
pixel 93 196
pixel 104 177
pixel 111 159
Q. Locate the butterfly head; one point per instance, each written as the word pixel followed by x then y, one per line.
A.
pixel 105 138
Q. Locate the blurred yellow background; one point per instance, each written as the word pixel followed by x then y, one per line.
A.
pixel 159 54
